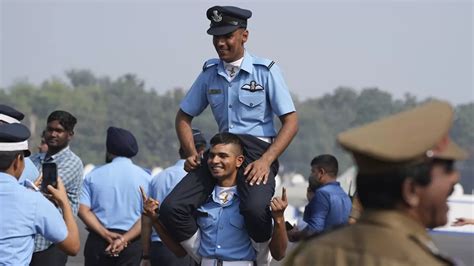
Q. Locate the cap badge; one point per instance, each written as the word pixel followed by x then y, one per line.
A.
pixel 216 17
pixel 252 87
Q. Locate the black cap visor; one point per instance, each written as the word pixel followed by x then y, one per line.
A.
pixel 222 30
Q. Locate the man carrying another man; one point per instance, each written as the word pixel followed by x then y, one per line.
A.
pixel 223 238
pixel 245 93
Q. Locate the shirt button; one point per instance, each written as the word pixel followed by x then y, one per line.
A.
pixel 230 105
pixel 218 246
pixel 230 85
pixel 251 104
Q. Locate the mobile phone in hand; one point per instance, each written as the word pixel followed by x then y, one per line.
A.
pixel 288 226
pixel 50 176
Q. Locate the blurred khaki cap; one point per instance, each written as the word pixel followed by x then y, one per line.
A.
pixel 404 138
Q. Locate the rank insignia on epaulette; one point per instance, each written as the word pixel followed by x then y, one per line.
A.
pixel 215 91
pixel 252 87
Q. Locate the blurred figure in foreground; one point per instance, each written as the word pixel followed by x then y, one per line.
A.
pixel 405 175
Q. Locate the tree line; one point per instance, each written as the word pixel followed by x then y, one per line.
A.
pixel 100 102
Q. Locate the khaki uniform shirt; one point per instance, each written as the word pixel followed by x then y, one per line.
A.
pixel 379 238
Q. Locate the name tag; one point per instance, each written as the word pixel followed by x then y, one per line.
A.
pixel 215 91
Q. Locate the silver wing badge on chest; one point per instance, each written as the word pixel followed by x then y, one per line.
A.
pixel 252 87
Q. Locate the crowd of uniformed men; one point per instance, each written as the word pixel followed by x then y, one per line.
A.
pixel 216 205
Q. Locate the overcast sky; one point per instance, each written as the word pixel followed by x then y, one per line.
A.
pixel 421 47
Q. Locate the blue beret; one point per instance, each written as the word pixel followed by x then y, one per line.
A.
pixel 10 115
pixel 226 19
pixel 121 142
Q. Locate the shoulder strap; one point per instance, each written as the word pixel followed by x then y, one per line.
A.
pixel 209 63
pixel 264 62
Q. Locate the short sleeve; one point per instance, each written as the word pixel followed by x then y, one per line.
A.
pixel 86 192
pixel 49 221
pixel 160 186
pixel 195 100
pixel 279 95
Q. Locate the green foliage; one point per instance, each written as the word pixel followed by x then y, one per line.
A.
pixel 99 102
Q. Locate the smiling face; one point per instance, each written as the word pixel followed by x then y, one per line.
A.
pixel 433 207
pixel 230 47
pixel 224 161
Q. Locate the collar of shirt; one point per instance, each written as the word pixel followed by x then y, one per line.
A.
pixel 7 178
pixel 232 191
pixel 232 68
pixel 333 183
pixel 246 64
pixel 55 156
pixel 121 159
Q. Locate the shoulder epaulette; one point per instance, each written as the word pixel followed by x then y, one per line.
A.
pixel 209 63
pixel 263 61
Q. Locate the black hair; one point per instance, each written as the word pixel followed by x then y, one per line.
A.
pixel 227 138
pixel 327 162
pixel 67 120
pixel 7 158
pixel 384 191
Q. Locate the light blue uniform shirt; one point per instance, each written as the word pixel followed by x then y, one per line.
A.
pixel 223 232
pixel 24 213
pixel 245 105
pixel 30 172
pixel 163 183
pixel 112 193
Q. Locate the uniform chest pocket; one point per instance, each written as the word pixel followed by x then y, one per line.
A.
pixel 252 99
pixel 252 105
pixel 205 222
pixel 237 223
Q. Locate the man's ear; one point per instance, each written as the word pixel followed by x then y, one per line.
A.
pixel 240 160
pixel 321 172
pixel 70 134
pixel 245 36
pixel 18 165
pixel 410 193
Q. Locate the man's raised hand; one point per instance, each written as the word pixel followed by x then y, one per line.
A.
pixel 150 205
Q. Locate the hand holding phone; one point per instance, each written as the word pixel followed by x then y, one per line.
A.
pixel 58 195
pixel 50 176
